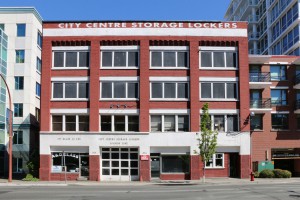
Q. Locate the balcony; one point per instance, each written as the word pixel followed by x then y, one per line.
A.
pixel 297 107
pixel 259 80
pixel 253 36
pixel 260 105
pixel 297 82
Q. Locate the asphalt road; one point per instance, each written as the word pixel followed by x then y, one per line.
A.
pixel 153 192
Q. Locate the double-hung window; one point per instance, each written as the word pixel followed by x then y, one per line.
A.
pixel 38 65
pixel 218 57
pixel 217 161
pixel 19 82
pixel 280 121
pixel 219 90
pixel 278 72
pixel 18 110
pixel 20 56
pixel 169 90
pixel 39 39
pixel 224 122
pixel 70 123
pixel 71 57
pixel 70 90
pixel 279 97
pixel 38 89
pixel 119 123
pixel 169 57
pixel 18 137
pixel 128 90
pixel 119 57
pixel 169 123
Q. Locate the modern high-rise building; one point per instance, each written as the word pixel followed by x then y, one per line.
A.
pixel 23 27
pixel 273 25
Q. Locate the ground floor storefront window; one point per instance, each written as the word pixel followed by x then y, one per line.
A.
pixel 175 163
pixel 69 159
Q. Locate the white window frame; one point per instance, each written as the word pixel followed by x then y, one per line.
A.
pixel 225 122
pixel 219 49
pixel 76 49
pixel 164 49
pixel 176 91
pixel 16 134
pixel 213 165
pixel 113 123
pixel 19 170
pixel 126 91
pixel 64 86
pixel 64 122
pixel 114 49
pixel 163 122
pixel 219 99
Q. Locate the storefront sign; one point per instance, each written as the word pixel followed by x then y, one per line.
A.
pixel 285 155
pixel 144 157
pixel 56 168
pixel 119 140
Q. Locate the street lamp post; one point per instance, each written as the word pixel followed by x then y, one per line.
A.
pixel 10 133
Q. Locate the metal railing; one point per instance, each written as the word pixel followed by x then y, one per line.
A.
pixel 259 77
pixel 279 102
pixel 260 103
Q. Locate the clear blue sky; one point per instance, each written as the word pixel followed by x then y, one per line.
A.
pixel 125 9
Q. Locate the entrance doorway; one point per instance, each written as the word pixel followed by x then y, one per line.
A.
pixel 234 165
pixel 155 166
pixel 84 166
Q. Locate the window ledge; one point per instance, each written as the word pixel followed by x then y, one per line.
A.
pixel 38 72
pixel 75 99
pixel 219 68
pixel 38 97
pixel 257 130
pixel 166 68
pixel 167 173
pixel 118 68
pixel 175 99
pixel 118 99
pixel 278 130
pixel 218 99
pixel 69 68
pixel 214 167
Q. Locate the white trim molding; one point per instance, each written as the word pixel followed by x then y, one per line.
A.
pixel 207 48
pixel 278 63
pixel 279 87
pixel 71 48
pixel 279 112
pixel 119 47
pixel 69 78
pixel 221 79
pixel 169 78
pixel 182 48
pixel 222 111
pixel 119 111
pixel 119 78
pixel 70 111
pixel 169 111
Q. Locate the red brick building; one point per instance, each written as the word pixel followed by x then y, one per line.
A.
pixel 122 100
pixel 274 100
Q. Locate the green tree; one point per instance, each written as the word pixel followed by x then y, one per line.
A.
pixel 207 139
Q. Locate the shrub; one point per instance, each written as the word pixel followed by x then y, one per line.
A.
pixel 29 177
pixel 266 173
pixel 286 174
pixel 256 174
pixel 279 173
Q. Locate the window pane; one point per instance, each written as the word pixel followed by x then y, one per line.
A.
pixel 280 121
pixel 169 59
pixel 119 123
pixel 182 90
pixel 256 122
pixel 169 124
pixel 170 89
pixel 230 59
pixel 106 59
pixel 219 123
pixel 231 91
pixel 106 90
pixel 133 123
pixel 206 60
pixel 183 123
pixel 84 59
pixel 156 59
pixel 156 90
pixel 105 123
pixel 155 123
pixel 71 59
pixel 133 90
pixel 70 123
pixel 83 90
pixel 72 162
pixel 219 59
pixel 182 59
pixel 176 164
pixel 20 137
pixel 70 90
pixel 219 160
pixel 219 90
pixel 20 56
pixel 119 90
pixel 84 123
pixel 21 30
pixel 232 123
pixel 133 59
pixel 58 59
pixel 57 123
pixel 205 90
pixel 120 59
pixel 57 90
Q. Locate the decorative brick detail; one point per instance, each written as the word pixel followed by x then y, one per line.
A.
pixel 45 167
pixel 245 166
pixel 145 170
pixel 195 167
pixel 94 168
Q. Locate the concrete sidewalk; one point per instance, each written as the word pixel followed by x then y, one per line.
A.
pixel 209 181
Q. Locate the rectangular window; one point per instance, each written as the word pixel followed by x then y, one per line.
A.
pixel 39 39
pixel 256 122
pixel 18 137
pixel 71 59
pixel 38 64
pixel 19 82
pixel 278 97
pixel 119 90
pixel 218 59
pixel 169 58
pixel 21 30
pixel 278 73
pixel 224 123
pixel 38 89
pixel 119 123
pixel 169 90
pixel 20 56
pixel 68 159
pixel 120 58
pixel 18 110
pixel 70 123
pixel 218 90
pixel 280 121
pixel 175 164
pixel 70 90
pixel 17 165
pixel 217 161
pixel 169 123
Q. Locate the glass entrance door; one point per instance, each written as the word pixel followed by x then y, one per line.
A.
pixel 155 167
pixel 84 166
